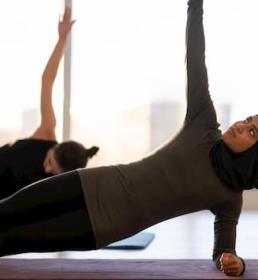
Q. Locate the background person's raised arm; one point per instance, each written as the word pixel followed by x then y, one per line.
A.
pixel 46 130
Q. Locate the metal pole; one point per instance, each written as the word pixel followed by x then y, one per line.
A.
pixel 67 84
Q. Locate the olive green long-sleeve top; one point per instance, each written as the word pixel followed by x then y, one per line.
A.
pixel 176 179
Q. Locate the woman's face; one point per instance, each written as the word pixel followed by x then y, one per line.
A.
pixel 242 135
pixel 50 164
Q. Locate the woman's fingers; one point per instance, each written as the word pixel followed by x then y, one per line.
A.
pixel 65 22
pixel 230 264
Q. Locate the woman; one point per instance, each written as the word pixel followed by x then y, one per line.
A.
pixel 103 205
pixel 39 156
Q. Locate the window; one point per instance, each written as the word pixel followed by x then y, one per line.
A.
pixel 28 35
pixel 127 65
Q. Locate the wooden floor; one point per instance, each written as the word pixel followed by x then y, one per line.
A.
pixel 53 269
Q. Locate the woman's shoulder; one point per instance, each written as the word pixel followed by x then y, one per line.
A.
pixel 32 141
pixel 28 144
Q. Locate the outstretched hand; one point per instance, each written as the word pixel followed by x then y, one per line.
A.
pixel 65 23
pixel 231 265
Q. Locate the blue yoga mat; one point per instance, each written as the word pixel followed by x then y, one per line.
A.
pixel 138 241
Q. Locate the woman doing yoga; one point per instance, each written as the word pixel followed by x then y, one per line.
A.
pixel 39 156
pixel 198 169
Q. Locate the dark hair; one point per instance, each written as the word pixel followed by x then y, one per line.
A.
pixel 71 155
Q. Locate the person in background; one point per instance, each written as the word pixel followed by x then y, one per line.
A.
pixel 40 156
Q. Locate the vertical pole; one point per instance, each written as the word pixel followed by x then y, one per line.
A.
pixel 67 83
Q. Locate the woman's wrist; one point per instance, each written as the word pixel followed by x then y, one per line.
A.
pixel 62 37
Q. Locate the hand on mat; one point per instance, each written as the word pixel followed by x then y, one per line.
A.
pixel 65 23
pixel 231 265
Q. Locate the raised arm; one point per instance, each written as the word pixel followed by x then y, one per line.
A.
pixel 46 130
pixel 224 253
pixel 200 107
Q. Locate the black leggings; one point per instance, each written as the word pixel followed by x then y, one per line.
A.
pixel 49 215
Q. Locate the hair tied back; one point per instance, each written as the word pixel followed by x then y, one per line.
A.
pixel 92 151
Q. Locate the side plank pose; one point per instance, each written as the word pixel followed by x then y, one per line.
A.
pixel 29 160
pixel 90 208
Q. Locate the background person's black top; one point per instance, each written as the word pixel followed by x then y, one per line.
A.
pixel 22 164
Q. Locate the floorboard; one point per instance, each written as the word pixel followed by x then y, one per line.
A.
pixel 71 269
